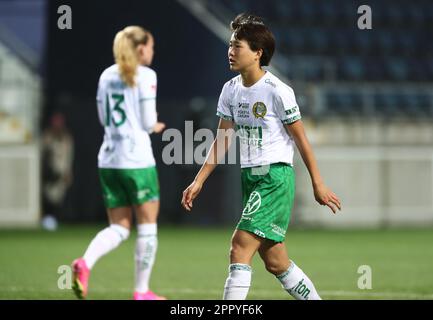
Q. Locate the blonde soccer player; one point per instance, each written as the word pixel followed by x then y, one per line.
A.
pixel 264 112
pixel 126 102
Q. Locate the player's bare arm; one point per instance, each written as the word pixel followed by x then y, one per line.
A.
pixel 221 140
pixel 322 193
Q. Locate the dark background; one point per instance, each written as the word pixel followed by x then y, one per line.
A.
pixel 190 61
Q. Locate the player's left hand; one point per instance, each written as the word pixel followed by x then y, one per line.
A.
pixel 190 194
pixel 159 127
pixel 326 197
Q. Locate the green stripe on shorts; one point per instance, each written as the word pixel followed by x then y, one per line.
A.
pixel 128 187
pixel 267 197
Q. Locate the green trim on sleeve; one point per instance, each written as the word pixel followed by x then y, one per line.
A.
pixel 292 110
pixel 290 120
pixel 223 116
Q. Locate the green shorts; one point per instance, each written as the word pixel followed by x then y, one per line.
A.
pixel 127 187
pixel 267 200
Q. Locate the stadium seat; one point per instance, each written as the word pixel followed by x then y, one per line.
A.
pixel 286 12
pixel 351 68
pixel 318 40
pixel 307 11
pixel 398 48
pixel 396 69
pixel 385 41
pixel 374 70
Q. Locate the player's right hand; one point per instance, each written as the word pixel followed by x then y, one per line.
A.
pixel 190 194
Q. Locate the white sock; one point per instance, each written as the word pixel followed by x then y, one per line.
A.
pixel 238 282
pixel 296 282
pixel 145 251
pixel 104 242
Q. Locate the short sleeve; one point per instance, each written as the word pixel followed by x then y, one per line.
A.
pixel 147 83
pixel 99 92
pixel 224 110
pixel 100 101
pixel 286 106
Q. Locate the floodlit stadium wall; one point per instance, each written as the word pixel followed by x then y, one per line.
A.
pixel 20 103
pixel 378 186
pixel 19 185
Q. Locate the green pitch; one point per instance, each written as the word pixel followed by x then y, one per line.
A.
pixel 192 264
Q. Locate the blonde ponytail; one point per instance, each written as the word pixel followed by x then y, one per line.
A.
pixel 125 54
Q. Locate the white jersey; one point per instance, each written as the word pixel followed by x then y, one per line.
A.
pixel 126 144
pixel 259 113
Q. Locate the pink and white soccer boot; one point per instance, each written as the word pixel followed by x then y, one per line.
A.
pixel 81 278
pixel 149 295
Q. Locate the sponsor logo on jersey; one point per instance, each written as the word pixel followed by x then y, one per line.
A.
pixel 268 81
pixel 250 135
pixel 253 204
pixel 259 110
pixel 117 85
pixel 243 110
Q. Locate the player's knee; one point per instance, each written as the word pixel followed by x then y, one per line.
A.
pixel 274 267
pixel 122 231
pixel 238 255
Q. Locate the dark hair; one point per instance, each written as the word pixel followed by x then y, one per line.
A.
pixel 252 29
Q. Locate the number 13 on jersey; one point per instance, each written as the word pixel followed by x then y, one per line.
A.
pixel 115 115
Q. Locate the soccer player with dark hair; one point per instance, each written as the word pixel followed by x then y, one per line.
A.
pixel 266 116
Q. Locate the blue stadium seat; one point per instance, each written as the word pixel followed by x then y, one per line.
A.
pixel 415 15
pixel 374 69
pixel 428 12
pixel 393 14
pixel 351 68
pixel 419 70
pixel 336 104
pixel 340 41
pixel 313 70
pixel 318 40
pixel 361 41
pixel 285 11
pixel 307 11
pixel 397 69
pixel 238 6
pixel 399 48
pixel 296 40
pixel 385 41
pixel 407 42
pixel 429 68
pixel 344 103
pixel 327 11
pixel 348 11
pixel 388 104
pixel 424 45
